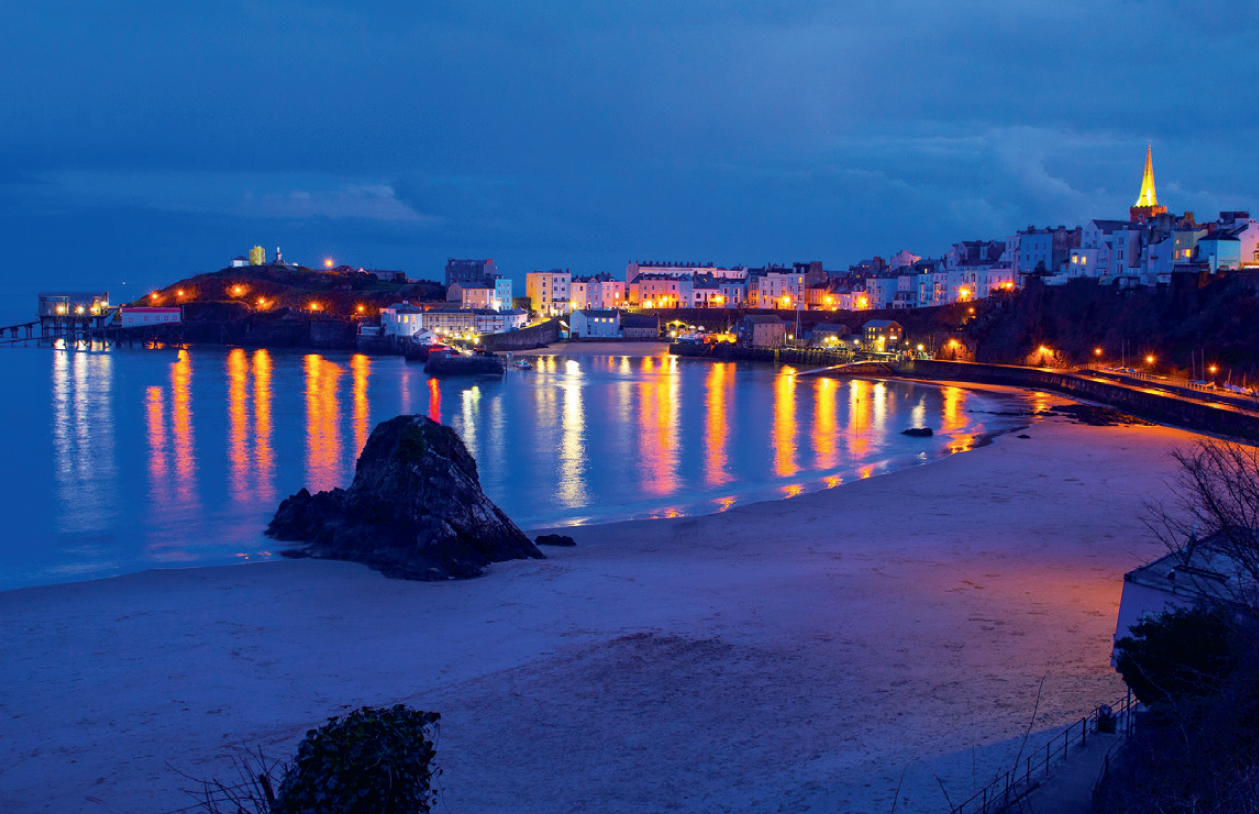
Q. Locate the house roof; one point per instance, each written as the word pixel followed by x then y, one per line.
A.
pixel 640 321
pixel 881 323
pixel 601 313
pixel 763 319
pixel 1201 571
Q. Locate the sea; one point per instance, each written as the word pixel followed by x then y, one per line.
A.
pixel 117 460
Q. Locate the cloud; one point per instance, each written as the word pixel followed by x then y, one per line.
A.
pixel 245 195
pixel 373 202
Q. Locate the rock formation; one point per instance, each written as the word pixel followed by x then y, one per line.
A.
pixel 414 511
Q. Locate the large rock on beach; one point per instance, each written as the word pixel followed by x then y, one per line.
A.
pixel 414 511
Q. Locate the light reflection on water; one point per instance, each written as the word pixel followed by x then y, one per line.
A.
pixel 218 437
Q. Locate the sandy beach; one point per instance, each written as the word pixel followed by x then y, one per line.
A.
pixel 798 655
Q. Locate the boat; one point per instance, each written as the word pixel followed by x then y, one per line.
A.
pixel 523 364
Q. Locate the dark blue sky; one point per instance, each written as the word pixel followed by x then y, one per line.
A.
pixel 147 141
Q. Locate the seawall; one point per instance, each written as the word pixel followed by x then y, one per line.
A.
pixel 1142 402
pixel 1181 410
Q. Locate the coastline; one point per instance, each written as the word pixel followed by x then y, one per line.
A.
pixel 790 653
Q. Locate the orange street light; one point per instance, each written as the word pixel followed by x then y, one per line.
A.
pixel 1212 369
pixel 179 293
pixel 314 306
pixel 327 263
pixel 237 290
pixel 360 309
pixel 1149 360
pixel 1097 351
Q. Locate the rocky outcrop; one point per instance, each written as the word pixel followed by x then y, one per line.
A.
pixel 918 432
pixel 555 539
pixel 414 511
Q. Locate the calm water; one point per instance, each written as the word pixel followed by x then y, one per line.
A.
pixel 121 460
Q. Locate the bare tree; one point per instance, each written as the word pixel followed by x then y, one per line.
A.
pixel 1215 498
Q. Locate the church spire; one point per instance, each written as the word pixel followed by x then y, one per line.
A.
pixel 1147 202
pixel 1147 196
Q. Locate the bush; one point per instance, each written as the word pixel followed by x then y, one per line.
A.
pixel 1178 655
pixel 374 761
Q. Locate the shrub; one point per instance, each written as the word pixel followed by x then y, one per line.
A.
pixel 374 761
pixel 1178 655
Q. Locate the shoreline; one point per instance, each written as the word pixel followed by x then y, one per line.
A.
pixel 790 652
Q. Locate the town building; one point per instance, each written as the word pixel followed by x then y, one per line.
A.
pixel 146 316
pixel 882 334
pixel 472 294
pixel 662 291
pixel 762 331
pixel 402 319
pixel 471 322
pixel 548 292
pixel 597 291
pixel 640 326
pixel 502 299
pixel 682 269
pixel 468 271
pixel 604 323
pixel 828 335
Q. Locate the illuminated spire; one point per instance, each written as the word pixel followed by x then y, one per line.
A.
pixel 1147 196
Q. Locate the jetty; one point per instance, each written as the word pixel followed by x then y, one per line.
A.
pixel 452 363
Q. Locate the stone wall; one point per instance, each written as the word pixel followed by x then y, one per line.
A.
pixel 1164 409
pixel 535 336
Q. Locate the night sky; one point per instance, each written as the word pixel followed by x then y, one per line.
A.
pixel 143 142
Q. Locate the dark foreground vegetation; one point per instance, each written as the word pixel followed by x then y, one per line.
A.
pixel 372 761
pixel 1196 748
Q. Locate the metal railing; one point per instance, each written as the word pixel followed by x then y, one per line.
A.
pixel 1027 773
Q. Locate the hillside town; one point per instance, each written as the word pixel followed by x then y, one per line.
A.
pixel 1152 249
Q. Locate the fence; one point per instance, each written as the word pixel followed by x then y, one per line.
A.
pixel 1011 786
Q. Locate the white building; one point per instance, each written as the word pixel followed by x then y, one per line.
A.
pixel 402 319
pixel 601 323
